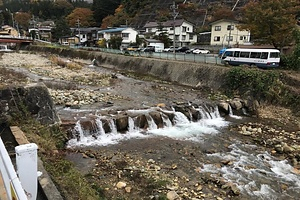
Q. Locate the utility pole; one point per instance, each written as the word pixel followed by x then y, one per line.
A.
pixel 78 27
pixel 174 8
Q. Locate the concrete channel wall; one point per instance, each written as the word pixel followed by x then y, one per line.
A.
pixel 185 73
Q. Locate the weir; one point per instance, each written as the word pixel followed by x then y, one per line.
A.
pixel 91 127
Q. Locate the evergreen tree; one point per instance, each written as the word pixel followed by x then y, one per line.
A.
pixel 61 29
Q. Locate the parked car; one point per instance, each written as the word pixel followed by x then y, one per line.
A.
pixel 132 48
pixel 149 49
pixel 190 50
pixel 201 51
pixel 182 49
pixel 167 49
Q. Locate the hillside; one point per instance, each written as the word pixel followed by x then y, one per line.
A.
pixel 198 12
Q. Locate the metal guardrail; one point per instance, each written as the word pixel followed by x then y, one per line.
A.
pixel 197 58
pixel 12 184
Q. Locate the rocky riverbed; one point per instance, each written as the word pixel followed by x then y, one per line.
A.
pixel 153 168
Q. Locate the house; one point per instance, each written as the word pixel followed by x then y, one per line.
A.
pixel 8 31
pixel 43 30
pixel 226 33
pixel 87 36
pixel 69 40
pixel 179 30
pixel 127 34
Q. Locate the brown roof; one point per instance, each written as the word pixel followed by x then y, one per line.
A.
pixel 168 23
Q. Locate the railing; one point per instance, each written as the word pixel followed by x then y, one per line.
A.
pixel 16 37
pixel 198 58
pixel 26 161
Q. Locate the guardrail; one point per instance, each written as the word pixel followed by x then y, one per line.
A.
pixel 26 161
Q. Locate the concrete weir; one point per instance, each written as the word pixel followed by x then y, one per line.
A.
pixel 185 73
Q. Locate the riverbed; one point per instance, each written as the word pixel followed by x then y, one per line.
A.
pixel 207 159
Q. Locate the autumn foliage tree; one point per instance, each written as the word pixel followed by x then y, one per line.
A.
pixel 22 18
pixel 223 13
pixel 82 15
pixel 271 21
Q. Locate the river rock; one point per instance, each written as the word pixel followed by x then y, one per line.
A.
pixel 172 195
pixel 223 107
pixel 121 185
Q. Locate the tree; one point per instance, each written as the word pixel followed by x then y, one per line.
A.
pixel 271 21
pixel 61 29
pixel 84 15
pixel 115 42
pixel 23 18
pixel 164 38
pixel 103 8
pixel 223 13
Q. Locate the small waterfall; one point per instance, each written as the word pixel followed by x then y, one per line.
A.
pixel 231 113
pixel 100 130
pixel 180 118
pixel 151 123
pixel 215 113
pixel 230 110
pixel 78 129
pixel 203 113
pixel 167 122
pixel 112 126
pixel 131 126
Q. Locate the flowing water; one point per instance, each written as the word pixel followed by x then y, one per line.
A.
pixel 256 173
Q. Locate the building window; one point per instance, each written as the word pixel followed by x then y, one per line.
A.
pixel 191 37
pixel 243 37
pixel 217 38
pixel 230 27
pixel 184 29
pixel 125 35
pixel 217 28
pixel 177 37
pixel 183 37
pixel 229 38
pixel 149 30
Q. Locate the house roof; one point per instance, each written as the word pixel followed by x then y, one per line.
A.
pixel 168 23
pixel 224 20
pixel 112 30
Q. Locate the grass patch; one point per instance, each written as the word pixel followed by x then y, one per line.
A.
pixel 66 64
pixel 51 141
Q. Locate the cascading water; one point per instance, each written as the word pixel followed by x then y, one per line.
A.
pixel 180 118
pixel 167 122
pixel 100 130
pixel 151 123
pixel 112 126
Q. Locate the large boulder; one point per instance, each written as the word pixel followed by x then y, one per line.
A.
pixel 34 99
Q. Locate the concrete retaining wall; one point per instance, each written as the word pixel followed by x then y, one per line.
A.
pixel 185 73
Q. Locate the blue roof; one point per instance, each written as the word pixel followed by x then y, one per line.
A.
pixel 111 30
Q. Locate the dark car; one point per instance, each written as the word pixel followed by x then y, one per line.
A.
pixel 182 49
pixel 149 49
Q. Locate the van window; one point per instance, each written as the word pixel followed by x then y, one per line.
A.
pixel 236 54
pixel 274 55
pixel 264 55
pixel 255 54
pixel 244 54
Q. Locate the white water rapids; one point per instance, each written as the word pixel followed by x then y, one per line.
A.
pixel 257 174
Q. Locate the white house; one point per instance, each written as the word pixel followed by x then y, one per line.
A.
pixel 226 33
pixel 127 34
pixel 180 30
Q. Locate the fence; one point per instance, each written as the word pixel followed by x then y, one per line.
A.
pixel 201 58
